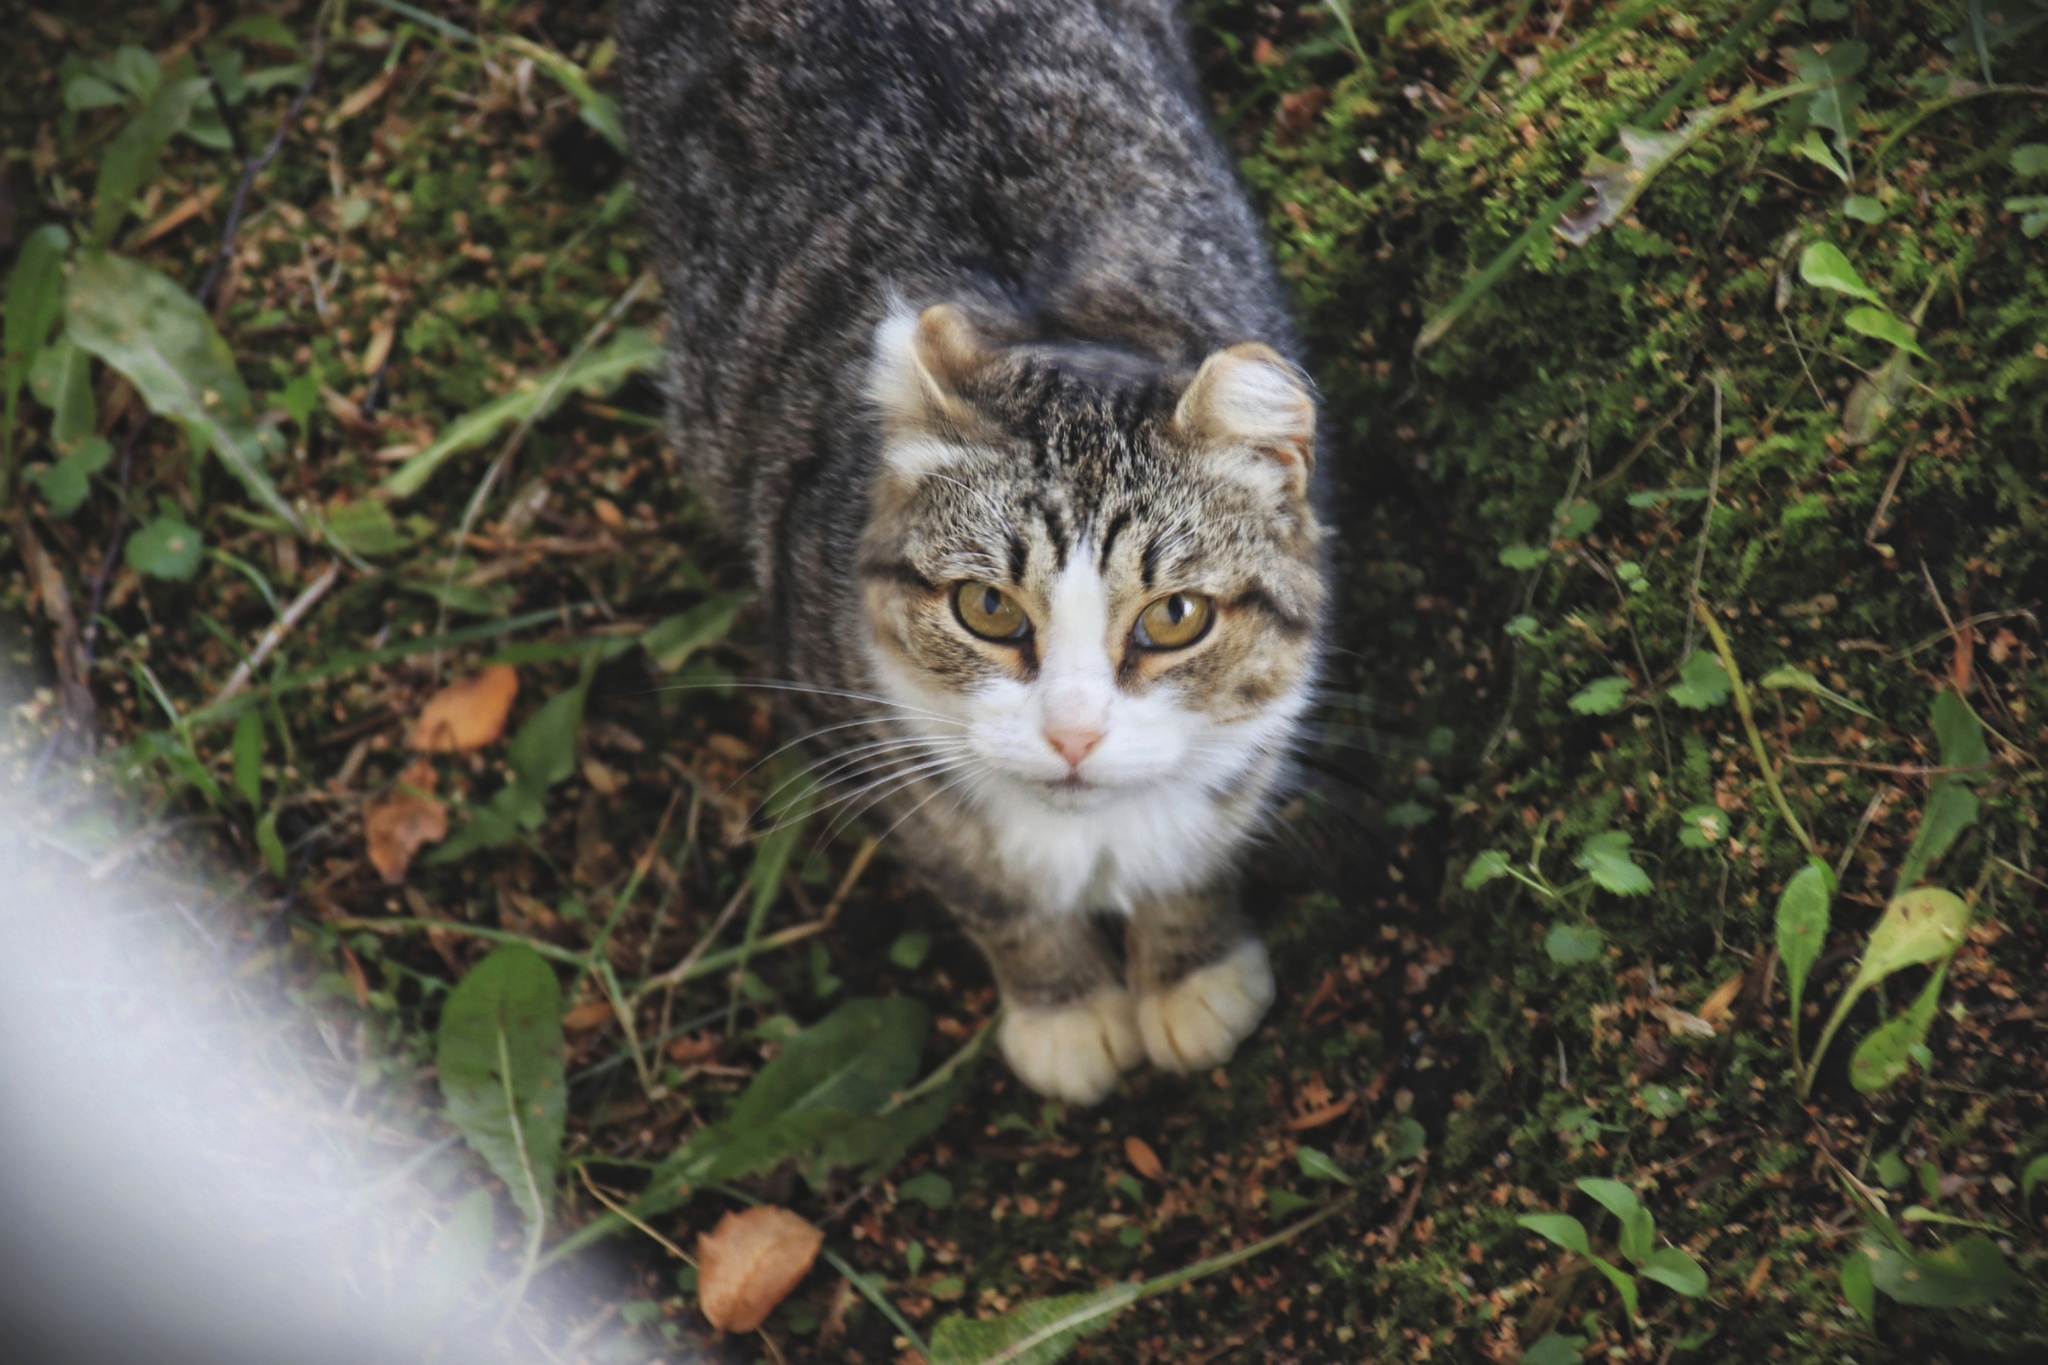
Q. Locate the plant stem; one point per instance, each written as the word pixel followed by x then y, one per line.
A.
pixel 1756 739
pixel 882 1304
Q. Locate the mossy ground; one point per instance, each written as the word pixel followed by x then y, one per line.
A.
pixel 1654 415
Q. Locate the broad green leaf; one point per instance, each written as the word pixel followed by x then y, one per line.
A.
pixel 1856 1285
pixel 1616 184
pixel 1951 809
pixel 134 70
pixel 1865 208
pixel 1521 557
pixel 364 527
pixel 167 548
pixel 61 380
pixel 1888 1052
pixel 86 91
pixel 1408 1140
pixel 1879 323
pixel 1964 1275
pixel 1606 859
pixel 1803 927
pixel 1676 1271
pixel 909 950
pixel 1702 682
pixel 263 28
pixel 1960 735
pixel 66 484
pixel 147 327
pixel 1824 266
pixel 1702 826
pixel 1318 1165
pixel 1875 397
pixel 1553 1350
pixel 633 351
pixel 874 1143
pixel 1038 1333
pixel 1800 680
pixel 270 845
pixel 542 754
pixel 1409 815
pixel 1561 1228
pixel 931 1189
pixel 1815 149
pixel 1601 697
pixel 498 1053
pixel 2035 1172
pixel 841 1069
pixel 1485 868
pixel 130 159
pixel 2030 160
pixel 1571 944
pixel 248 755
pixel 1920 926
pixel 670 643
pixel 1638 1229
pixel 35 297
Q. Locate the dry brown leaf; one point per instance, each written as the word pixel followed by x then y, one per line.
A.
pixel 1682 1023
pixel 1756 1279
pixel 404 821
pixel 1143 1159
pixel 750 1262
pixel 689 1051
pixel 468 713
pixel 379 349
pixel 1321 1114
pixel 362 98
pixel 1723 999
pixel 589 1016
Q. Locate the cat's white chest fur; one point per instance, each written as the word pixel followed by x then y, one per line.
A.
pixel 1108 856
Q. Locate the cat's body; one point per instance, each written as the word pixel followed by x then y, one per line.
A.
pixel 943 276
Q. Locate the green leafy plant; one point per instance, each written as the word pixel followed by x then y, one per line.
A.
pixel 1636 1240
pixel 1607 864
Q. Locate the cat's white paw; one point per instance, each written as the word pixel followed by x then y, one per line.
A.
pixel 1075 1052
pixel 1199 1021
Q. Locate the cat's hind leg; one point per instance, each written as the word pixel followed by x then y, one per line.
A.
pixel 1200 976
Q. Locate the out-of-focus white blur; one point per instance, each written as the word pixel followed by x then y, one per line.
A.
pixel 179 1179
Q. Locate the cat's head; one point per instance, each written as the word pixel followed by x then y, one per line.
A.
pixel 1086 574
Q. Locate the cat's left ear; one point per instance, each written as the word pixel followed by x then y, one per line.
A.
pixel 1249 407
pixel 922 363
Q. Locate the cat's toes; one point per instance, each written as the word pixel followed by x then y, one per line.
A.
pixel 1199 1020
pixel 1075 1052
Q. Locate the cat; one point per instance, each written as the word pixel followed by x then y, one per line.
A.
pixel 975 347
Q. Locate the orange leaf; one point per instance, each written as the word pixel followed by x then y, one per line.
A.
pixel 468 713
pixel 750 1262
pixel 404 821
pixel 1320 1115
pixel 1718 1004
pixel 1143 1159
pixel 588 1016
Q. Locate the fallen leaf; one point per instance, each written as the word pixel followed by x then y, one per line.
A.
pixel 1723 999
pixel 1322 1114
pixel 379 349
pixel 1298 112
pixel 1143 1159
pixel 688 1051
pixel 468 713
pixel 362 99
pixel 404 821
pixel 590 1016
pixel 1682 1023
pixel 1756 1279
pixel 188 208
pixel 750 1262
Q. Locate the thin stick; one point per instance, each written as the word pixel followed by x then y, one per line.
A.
pixel 688 967
pixel 882 1305
pixel 622 1211
pixel 1699 559
pixel 862 856
pixel 274 636
pixel 1756 739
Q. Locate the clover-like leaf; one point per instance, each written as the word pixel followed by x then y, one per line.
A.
pixel 1485 868
pixel 1605 858
pixel 1571 944
pixel 167 548
pixel 1601 697
pixel 1702 826
pixel 1702 682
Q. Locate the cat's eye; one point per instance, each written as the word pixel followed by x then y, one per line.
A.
pixel 1173 622
pixel 990 612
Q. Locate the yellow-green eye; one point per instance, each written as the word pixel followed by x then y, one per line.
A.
pixel 1173 622
pixel 990 612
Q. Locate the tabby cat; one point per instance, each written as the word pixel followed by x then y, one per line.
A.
pixel 974 345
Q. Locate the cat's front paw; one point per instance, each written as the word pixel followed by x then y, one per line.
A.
pixel 1199 1020
pixel 1074 1052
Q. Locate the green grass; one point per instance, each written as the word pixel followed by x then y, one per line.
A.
pixel 1529 508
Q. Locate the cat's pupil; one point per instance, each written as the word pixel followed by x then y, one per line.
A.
pixel 1176 609
pixel 991 601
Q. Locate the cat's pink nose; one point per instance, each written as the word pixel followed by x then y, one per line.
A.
pixel 1074 745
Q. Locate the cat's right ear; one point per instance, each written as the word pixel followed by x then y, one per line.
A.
pixel 922 363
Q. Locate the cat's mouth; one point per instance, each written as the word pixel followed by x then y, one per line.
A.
pixel 1070 785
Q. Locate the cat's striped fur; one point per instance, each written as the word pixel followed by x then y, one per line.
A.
pixel 966 291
